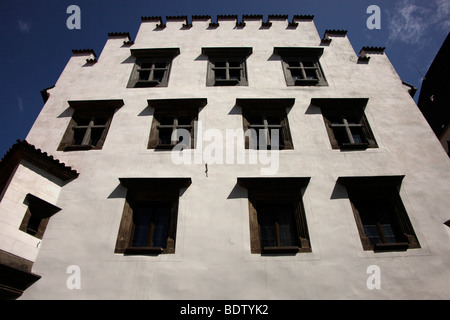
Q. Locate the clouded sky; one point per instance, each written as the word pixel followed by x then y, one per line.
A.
pixel 37 43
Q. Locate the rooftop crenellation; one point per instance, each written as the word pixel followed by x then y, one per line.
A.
pixel 161 23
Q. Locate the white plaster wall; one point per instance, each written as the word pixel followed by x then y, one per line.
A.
pixel 27 178
pixel 212 258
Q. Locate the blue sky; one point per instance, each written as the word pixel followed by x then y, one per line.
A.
pixel 37 44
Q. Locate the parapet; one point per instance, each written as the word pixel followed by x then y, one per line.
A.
pixel 240 23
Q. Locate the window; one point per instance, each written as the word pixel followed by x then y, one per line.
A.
pixel 89 124
pixel 152 67
pixel 380 216
pixel 265 123
pixel 37 216
pixel 346 123
pixel 150 225
pixel 149 219
pixel 301 66
pixel 277 225
pixel 174 122
pixel 227 66
pixel 276 215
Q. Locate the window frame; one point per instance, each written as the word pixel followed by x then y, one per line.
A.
pixel 131 207
pixel 274 218
pixel 88 109
pixel 174 116
pixel 277 191
pixel 40 210
pixel 301 55
pixel 151 81
pixel 385 190
pixel 153 57
pixel 228 81
pixel 227 55
pixel 346 110
pixel 265 109
pixel 149 191
pixel 174 109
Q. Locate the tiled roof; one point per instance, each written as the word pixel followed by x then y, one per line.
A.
pixel 24 150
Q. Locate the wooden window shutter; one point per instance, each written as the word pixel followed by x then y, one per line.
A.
pixel 171 234
pixel 333 141
pixel 134 77
pixel 404 222
pixel 286 134
pixel 364 239
pixel 247 136
pixel 255 242
pixel 302 227
pixel 154 134
pixel 68 136
pixel 244 75
pixel 126 223
pixel 42 226
pixel 194 119
pixel 287 73
pixel 367 132
pixel 101 141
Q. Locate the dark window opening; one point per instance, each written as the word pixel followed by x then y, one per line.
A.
pixel 382 221
pixel 151 224
pixel 276 215
pixel 277 226
pixel 37 216
pixel 150 215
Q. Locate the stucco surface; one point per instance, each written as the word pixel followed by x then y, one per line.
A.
pixel 212 259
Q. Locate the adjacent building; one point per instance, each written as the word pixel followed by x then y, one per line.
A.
pixel 228 158
pixel 435 97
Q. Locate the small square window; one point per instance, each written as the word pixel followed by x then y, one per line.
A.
pixel 89 125
pixel 227 66
pixel 346 123
pixel 228 72
pixel 301 66
pixel 152 67
pixel 173 123
pixel 37 216
pixel 265 123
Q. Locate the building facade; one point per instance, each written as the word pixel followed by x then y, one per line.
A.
pixel 236 159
